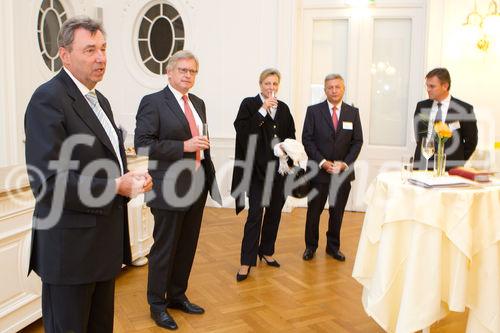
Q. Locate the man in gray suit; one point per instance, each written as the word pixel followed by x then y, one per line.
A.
pixel 169 127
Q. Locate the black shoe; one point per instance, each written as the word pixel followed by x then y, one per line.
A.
pixel 336 254
pixel 273 263
pixel 241 277
pixel 163 319
pixel 186 306
pixel 308 254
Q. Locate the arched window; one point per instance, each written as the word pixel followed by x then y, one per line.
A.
pixel 161 34
pixel 50 18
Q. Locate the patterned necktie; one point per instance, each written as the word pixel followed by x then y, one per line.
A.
pixel 439 114
pixel 106 124
pixel 335 119
pixel 192 126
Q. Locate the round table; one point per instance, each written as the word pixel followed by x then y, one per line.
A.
pixel 425 252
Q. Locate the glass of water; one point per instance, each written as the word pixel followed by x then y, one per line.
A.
pixel 406 167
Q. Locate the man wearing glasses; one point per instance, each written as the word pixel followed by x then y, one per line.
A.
pixel 170 129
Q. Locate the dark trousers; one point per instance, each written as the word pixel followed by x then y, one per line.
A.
pixel 171 257
pixel 337 193
pixel 78 308
pixel 250 247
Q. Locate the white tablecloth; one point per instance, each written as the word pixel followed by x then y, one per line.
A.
pixel 425 252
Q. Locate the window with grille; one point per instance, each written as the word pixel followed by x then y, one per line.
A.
pixel 161 34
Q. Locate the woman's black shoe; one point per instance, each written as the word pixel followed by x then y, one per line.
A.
pixel 273 263
pixel 241 277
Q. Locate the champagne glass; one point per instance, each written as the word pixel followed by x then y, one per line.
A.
pixel 427 150
pixel 273 109
pixel 205 130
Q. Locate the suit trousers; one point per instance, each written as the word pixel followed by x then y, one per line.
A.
pixel 337 193
pixel 78 308
pixel 171 257
pixel 250 247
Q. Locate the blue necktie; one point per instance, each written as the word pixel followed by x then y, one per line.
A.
pixel 439 114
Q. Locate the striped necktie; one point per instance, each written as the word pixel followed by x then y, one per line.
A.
pixel 106 124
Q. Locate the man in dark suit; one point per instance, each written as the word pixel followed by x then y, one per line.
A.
pixel 441 106
pixel 332 137
pixel 169 128
pixel 80 235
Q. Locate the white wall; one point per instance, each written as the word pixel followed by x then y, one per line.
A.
pixel 234 40
pixel 7 95
pixel 21 69
pixel 475 75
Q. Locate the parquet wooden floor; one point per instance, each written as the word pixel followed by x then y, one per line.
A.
pixel 315 296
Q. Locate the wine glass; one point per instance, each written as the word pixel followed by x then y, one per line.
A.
pixel 427 150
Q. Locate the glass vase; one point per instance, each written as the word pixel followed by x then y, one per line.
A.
pixel 439 164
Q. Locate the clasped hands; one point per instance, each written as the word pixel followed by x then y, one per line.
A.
pixel 134 183
pixel 334 167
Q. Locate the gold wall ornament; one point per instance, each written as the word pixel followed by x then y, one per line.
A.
pixel 487 24
pixel 483 44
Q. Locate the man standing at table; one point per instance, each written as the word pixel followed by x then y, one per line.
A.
pixel 332 137
pixel 80 228
pixel 441 106
pixel 169 125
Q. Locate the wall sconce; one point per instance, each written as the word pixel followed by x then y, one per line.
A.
pixel 491 23
pixel 484 27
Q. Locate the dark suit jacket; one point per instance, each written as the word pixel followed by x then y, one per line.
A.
pixel 87 244
pixel 162 128
pixel 249 122
pixel 461 145
pixel 322 142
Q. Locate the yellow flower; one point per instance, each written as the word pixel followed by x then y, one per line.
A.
pixel 442 130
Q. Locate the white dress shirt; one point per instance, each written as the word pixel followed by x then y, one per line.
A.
pixel 330 107
pixel 445 105
pixel 84 90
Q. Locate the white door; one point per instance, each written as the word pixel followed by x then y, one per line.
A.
pixel 380 54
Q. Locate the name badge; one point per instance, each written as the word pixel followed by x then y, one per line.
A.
pixel 347 125
pixel 454 125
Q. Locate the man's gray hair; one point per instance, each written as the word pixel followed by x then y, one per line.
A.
pixel 182 54
pixel 334 76
pixel 268 72
pixel 67 32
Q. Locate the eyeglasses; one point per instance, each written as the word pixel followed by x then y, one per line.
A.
pixel 184 71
